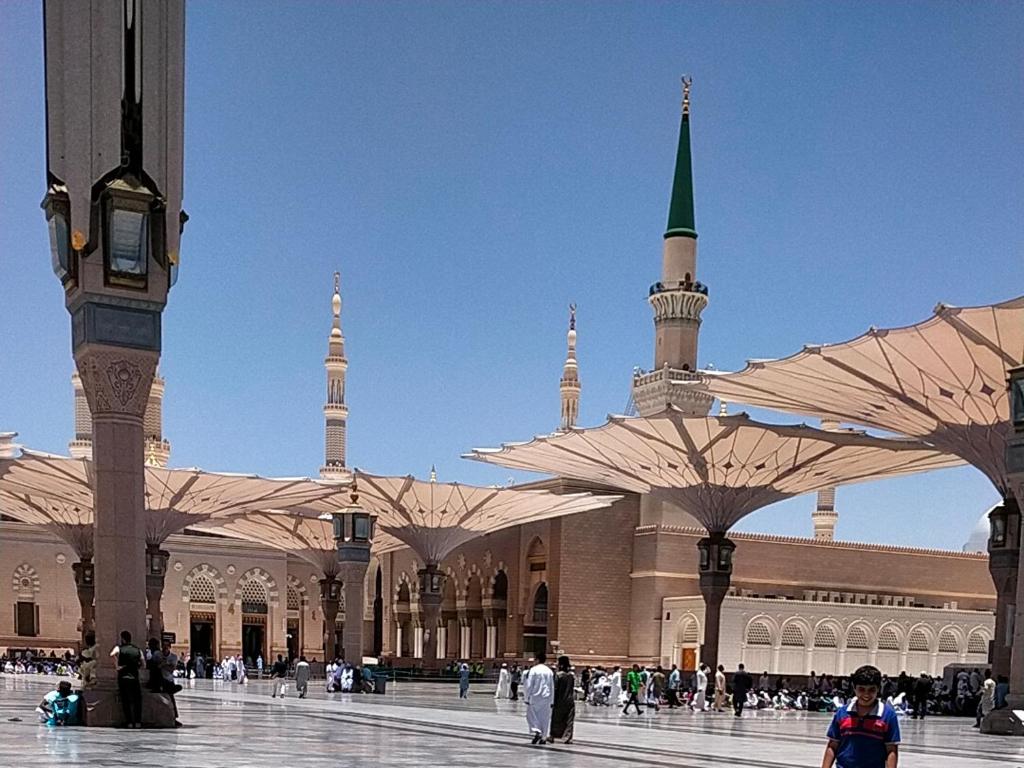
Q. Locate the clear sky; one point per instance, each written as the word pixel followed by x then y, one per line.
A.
pixel 471 168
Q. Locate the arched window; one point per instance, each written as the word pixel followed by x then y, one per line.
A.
pixel 201 590
pixel 403 592
pixel 294 601
pixel 793 636
pixel 977 643
pixel 856 638
pixel 948 643
pixel 500 589
pixel 825 637
pixel 26 612
pixel 888 640
pixel 540 605
pixel 918 641
pixel 689 634
pixel 536 555
pixel 254 597
pixel 758 634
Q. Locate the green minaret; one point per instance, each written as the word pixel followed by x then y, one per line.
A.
pixel 680 210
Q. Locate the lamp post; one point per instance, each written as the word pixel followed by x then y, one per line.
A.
pixel 114 118
pixel 156 574
pixel 353 535
pixel 715 572
pixel 85 585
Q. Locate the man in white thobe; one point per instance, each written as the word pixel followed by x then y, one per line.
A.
pixel 539 694
pixel 504 689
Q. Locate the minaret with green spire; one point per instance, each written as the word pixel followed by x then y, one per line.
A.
pixel 678 299
pixel 680 209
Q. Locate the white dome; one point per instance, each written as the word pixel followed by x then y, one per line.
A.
pixel 978 540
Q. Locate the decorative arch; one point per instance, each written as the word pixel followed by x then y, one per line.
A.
pixel 25 581
pixel 473 592
pixel 404 593
pixel 538 603
pixel 760 631
pixel 794 634
pixel 264 578
pixel 920 639
pixel 208 571
pixel 688 630
pixel 859 637
pixel 297 584
pixel 536 549
pixel 978 640
pixel 827 634
pixel 499 583
pixel 890 637
pixel 951 641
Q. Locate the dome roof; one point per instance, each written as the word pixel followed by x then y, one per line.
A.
pixel 978 540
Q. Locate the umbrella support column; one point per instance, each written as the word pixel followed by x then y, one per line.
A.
pixel 715 577
pixel 85 585
pixel 431 591
pixel 330 599
pixel 156 573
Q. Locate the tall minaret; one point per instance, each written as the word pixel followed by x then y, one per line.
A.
pixel 678 299
pixel 824 517
pixel 158 450
pixel 335 409
pixel 569 386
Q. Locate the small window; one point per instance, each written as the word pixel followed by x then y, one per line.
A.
pixel 793 636
pixel 856 637
pixel 918 641
pixel 977 643
pixel 948 643
pixel 887 640
pixel 758 634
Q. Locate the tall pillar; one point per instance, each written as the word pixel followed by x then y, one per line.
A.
pixel 1003 566
pixel 431 589
pixel 715 577
pixel 330 599
pixel 117 381
pixel 156 574
pixel 85 586
pixel 352 573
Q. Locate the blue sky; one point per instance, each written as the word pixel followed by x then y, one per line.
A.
pixel 473 168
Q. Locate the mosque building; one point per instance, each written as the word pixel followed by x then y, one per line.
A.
pixel 611 586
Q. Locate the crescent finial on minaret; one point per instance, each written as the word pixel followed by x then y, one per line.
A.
pixel 687 83
pixel 572 317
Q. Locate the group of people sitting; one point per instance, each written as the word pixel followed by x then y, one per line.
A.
pixel 343 677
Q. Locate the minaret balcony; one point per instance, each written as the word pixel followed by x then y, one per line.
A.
pixel 654 391
pixel 684 300
pixel 336 362
pixel 336 409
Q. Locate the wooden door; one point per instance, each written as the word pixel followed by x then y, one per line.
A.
pixel 688 663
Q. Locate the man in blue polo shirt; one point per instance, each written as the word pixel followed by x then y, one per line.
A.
pixel 865 732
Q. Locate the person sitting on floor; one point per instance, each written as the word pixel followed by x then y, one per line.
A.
pixel 60 707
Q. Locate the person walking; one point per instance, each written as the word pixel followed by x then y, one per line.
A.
pixel 464 680
pixel 919 695
pixel 87 661
pixel 987 700
pixel 515 678
pixel 864 733
pixel 302 677
pixel 700 698
pixel 539 692
pixel 129 686
pixel 720 689
pixel 280 674
pixel 656 684
pixel 503 691
pixel 672 691
pixel 742 682
pixel 633 683
pixel 259 666
pixel 563 708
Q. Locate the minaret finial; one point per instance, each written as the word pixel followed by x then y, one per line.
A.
pixel 687 82
pixel 572 317
pixel 433 474
pixel 337 282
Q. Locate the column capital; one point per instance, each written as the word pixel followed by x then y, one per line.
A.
pixel 116 380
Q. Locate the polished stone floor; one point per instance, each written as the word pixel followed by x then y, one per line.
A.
pixel 419 724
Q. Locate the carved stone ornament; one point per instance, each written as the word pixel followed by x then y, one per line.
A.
pixel 116 381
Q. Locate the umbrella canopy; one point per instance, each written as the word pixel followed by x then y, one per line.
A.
pixel 60 489
pixel 69 522
pixel 942 381
pixel 719 469
pixel 435 518
pixel 304 535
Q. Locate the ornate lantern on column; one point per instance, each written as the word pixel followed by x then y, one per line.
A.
pixel 715 570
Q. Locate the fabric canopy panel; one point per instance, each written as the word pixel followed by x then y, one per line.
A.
pixel 69 522
pixel 308 537
pixel 942 381
pixel 175 498
pixel 435 518
pixel 719 469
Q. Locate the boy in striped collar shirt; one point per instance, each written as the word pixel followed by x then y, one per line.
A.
pixel 865 732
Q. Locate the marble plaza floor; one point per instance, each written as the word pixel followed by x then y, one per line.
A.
pixel 418 724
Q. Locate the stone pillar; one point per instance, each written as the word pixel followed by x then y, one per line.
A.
pixel 431 589
pixel 156 573
pixel 116 383
pixel 330 598
pixel 1003 566
pixel 85 585
pixel 715 568
pixel 353 573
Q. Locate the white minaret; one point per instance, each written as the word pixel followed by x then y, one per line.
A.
pixel 569 386
pixel 335 409
pixel 158 450
pixel 825 516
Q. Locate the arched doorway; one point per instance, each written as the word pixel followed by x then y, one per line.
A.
pixel 254 621
pixel 535 626
pixel 202 607
pixel 294 626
